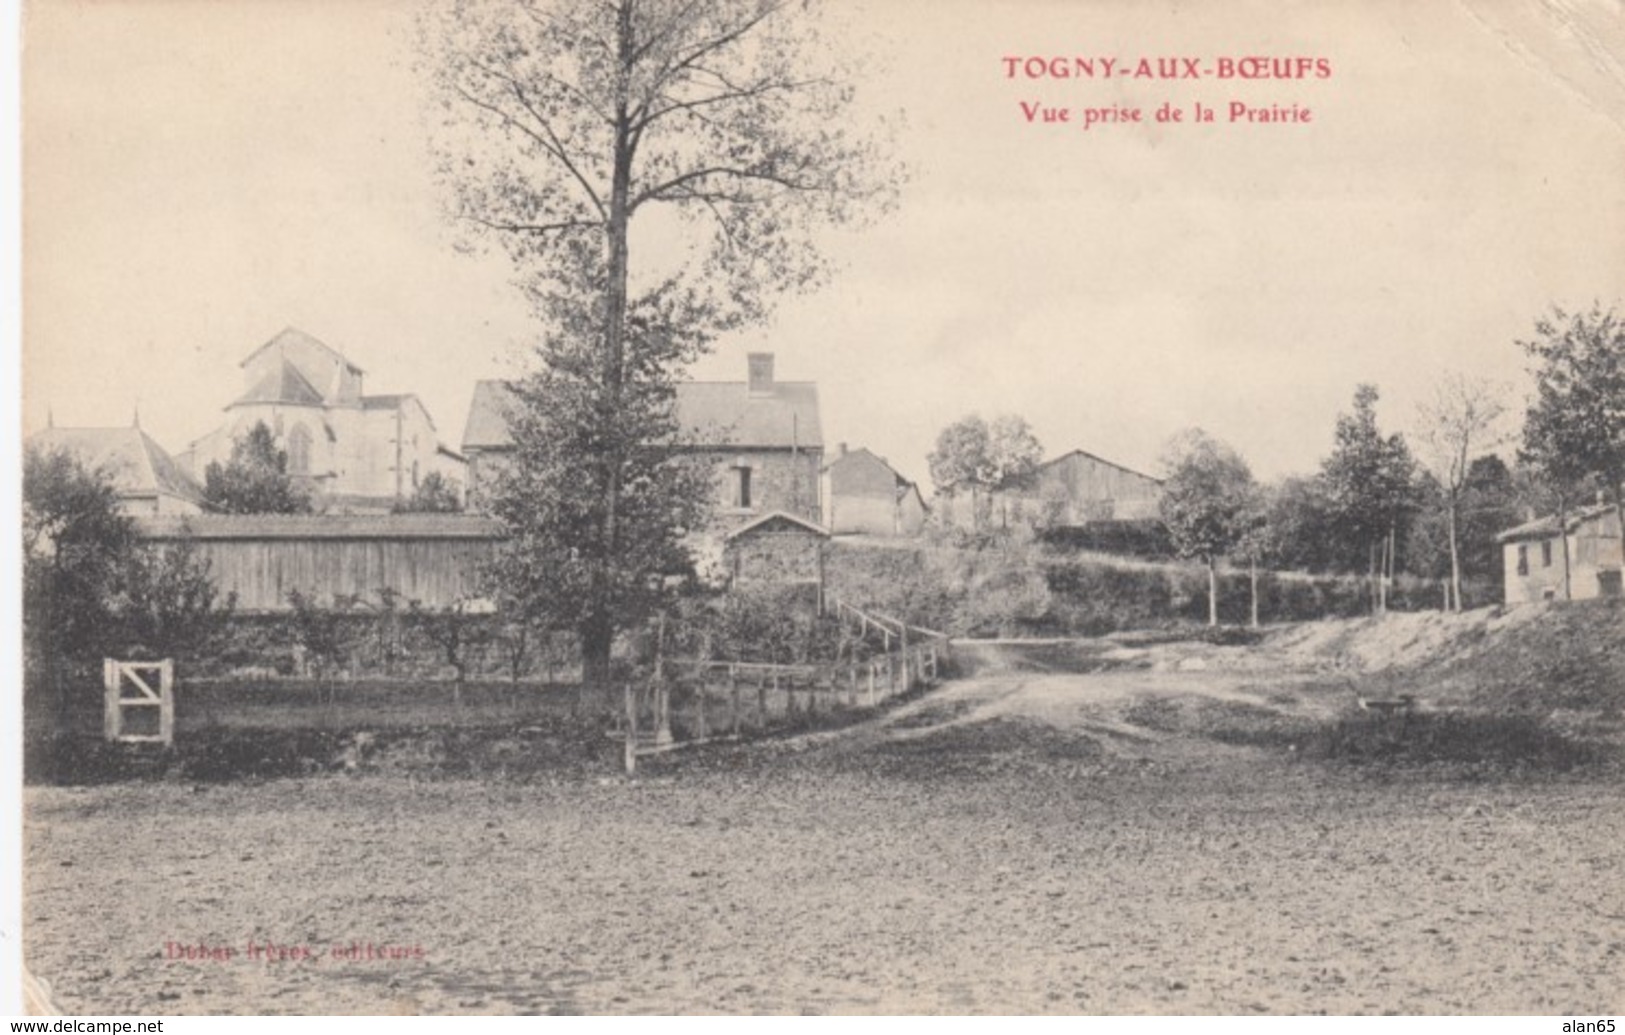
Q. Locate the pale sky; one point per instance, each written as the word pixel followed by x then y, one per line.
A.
pixel 200 175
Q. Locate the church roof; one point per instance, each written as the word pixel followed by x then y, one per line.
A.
pixel 137 465
pixel 282 384
pixel 294 336
pixel 717 413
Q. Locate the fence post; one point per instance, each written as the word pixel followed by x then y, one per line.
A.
pixel 761 700
pixel 699 700
pixel 852 684
pixel 872 665
pixel 631 732
pixel 166 698
pixel 733 698
pixel 112 714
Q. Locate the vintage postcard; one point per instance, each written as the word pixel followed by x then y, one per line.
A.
pixel 863 507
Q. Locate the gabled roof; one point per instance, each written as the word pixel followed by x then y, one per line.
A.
pixel 283 384
pixel 1085 454
pixel 727 413
pixel 718 413
pixel 800 524
pixel 137 465
pixel 294 336
pixel 1546 527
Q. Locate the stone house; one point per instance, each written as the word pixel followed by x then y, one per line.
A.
pixel 762 437
pixel 864 494
pixel 149 482
pixel 1532 555
pixel 355 453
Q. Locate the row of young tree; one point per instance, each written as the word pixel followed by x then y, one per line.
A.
pixel 1379 506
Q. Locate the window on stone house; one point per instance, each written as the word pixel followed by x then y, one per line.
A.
pixel 1546 554
pixel 1523 559
pixel 742 493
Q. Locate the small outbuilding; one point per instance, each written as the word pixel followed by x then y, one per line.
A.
pixel 779 550
pixel 1538 568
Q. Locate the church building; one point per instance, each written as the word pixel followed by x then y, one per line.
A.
pixel 355 453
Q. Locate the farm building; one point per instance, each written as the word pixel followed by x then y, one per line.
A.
pixel 863 493
pixel 762 436
pixel 777 549
pixel 434 559
pixel 149 482
pixel 355 453
pixel 1071 490
pixel 1533 555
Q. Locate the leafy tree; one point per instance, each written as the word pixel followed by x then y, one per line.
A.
pixel 1368 480
pixel 1464 415
pixel 76 544
pixel 1300 519
pixel 1574 431
pixel 974 456
pixel 320 635
pixel 1206 502
pixel 456 629
pixel 434 495
pixel 568 124
pixel 168 605
pixel 255 480
pixel 962 459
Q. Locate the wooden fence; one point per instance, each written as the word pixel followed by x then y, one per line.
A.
pixel 692 702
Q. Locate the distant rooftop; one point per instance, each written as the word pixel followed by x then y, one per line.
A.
pixel 719 413
pixel 137 465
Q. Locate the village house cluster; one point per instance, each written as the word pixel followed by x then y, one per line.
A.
pixel 780 496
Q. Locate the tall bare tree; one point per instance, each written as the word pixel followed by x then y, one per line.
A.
pixel 655 170
pixel 1462 418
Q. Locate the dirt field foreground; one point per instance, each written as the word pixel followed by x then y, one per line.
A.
pixel 1027 840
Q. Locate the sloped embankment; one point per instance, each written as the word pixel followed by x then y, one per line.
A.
pixel 1539 658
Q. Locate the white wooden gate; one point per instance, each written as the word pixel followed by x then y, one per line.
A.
pixel 139 677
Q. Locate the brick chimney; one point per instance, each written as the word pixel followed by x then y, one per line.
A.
pixel 761 373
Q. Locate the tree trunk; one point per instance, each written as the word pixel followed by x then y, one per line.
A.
pixel 1371 574
pixel 1563 535
pixel 597 638
pixel 598 632
pixel 1619 513
pixel 1212 591
pixel 1455 556
pixel 1252 575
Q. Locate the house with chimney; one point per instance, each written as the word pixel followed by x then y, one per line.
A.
pixel 864 495
pixel 762 436
pixel 353 452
